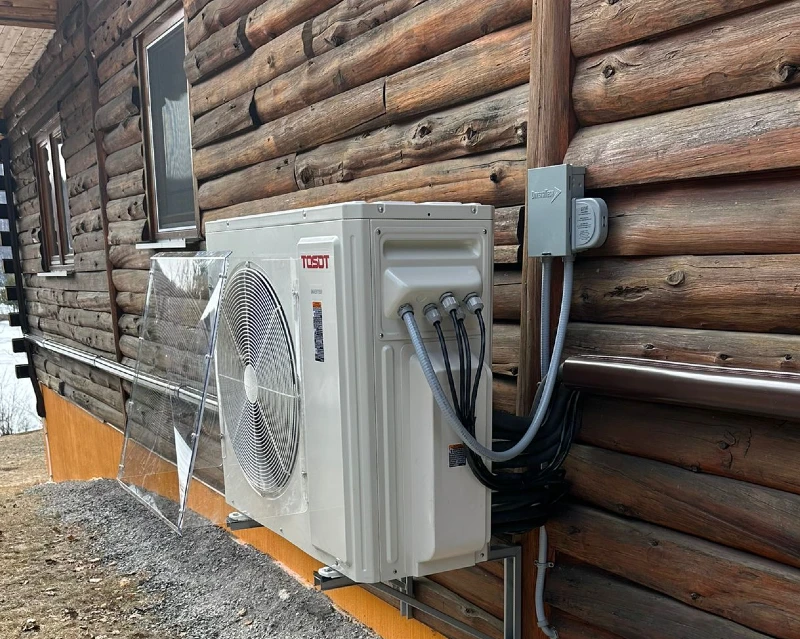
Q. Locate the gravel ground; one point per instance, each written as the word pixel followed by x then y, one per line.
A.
pixel 204 585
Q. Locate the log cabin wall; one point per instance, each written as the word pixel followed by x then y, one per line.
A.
pixel 75 309
pixel 684 522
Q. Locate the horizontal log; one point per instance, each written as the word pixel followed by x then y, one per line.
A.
pixel 743 135
pixel 131 303
pixel 30 251
pixel 108 396
pixel 86 242
pixel 222 49
pixel 26 193
pixel 456 76
pixel 267 20
pixel 758 450
pixel 130 280
pixel 127 209
pixel 96 339
pixel 33 236
pixel 32 266
pixel 632 611
pixel 570 627
pixel 746 53
pixel 741 293
pixel 86 223
pixel 128 159
pixel 733 513
pixel 125 134
pixel 91 261
pixel 674 218
pixel 76 99
pixel 191 7
pixel 125 78
pixel 508 255
pixel 233 117
pixel 79 139
pixel 216 15
pixel 504 393
pixel 597 26
pixel 93 406
pixel 507 294
pixel 751 591
pixel 85 202
pixel 736 349
pixel 27 210
pixel 477 586
pixel 496 178
pixel 86 319
pixel 85 371
pixel 273 177
pixel 127 232
pixel 83 181
pixel 126 185
pixel 101 12
pixel 488 124
pixel 94 301
pixel 120 108
pixel 505 348
pixel 118 25
pixel 81 160
pixel 120 56
pixel 465 73
pixel 386 49
pixel 341 23
pixel 128 256
pixel 329 120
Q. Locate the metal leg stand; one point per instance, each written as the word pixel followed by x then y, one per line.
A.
pixel 402 589
pixel 512 588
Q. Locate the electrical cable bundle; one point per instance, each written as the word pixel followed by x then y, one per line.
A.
pixel 525 490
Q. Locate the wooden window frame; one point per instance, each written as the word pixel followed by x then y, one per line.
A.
pixel 160 27
pixel 52 206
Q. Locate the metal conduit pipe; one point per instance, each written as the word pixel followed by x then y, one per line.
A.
pixel 124 372
pixel 699 385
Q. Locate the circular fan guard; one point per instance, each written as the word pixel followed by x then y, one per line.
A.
pixel 257 384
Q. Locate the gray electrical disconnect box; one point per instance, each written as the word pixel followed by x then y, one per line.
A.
pixel 560 220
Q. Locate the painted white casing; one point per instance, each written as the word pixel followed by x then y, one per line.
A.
pixel 380 499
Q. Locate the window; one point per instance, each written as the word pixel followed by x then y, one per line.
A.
pixel 168 136
pixel 51 176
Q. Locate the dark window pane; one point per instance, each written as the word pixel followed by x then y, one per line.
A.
pixel 171 136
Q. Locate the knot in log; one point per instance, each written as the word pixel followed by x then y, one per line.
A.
pixel 676 278
pixel 787 71
pixel 608 71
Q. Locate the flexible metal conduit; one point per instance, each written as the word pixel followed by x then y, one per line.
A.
pixel 124 372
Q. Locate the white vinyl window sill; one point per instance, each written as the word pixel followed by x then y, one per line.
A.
pixel 173 243
pixel 56 273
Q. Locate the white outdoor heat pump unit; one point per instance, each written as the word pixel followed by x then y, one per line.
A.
pixel 331 435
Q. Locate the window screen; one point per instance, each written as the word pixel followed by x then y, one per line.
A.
pixel 170 132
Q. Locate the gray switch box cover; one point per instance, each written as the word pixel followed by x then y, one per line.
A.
pixel 551 190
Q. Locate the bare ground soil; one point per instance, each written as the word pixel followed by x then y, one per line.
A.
pixel 86 560
pixel 51 584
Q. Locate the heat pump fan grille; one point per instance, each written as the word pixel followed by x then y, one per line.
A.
pixel 258 384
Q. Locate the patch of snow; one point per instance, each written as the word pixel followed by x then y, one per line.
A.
pixel 16 395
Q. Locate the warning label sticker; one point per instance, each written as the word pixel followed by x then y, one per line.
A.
pixel 457 455
pixel 319 341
